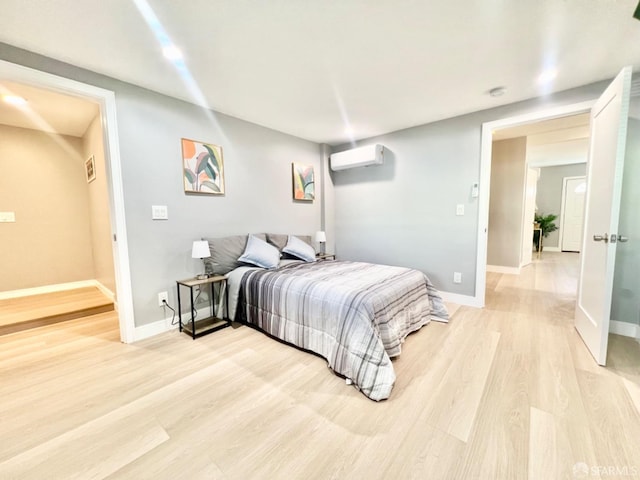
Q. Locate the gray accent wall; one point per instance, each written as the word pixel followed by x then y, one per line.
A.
pixel 508 173
pixel 404 212
pixel 549 194
pixel 258 184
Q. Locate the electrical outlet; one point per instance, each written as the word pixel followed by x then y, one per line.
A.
pixel 457 277
pixel 162 297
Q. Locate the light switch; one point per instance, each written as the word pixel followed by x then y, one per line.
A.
pixel 7 217
pixel 159 212
pixel 460 209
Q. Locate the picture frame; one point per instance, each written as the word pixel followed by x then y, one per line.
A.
pixel 303 182
pixel 90 169
pixel 202 168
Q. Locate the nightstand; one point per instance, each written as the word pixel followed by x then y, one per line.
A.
pixel 325 256
pixel 197 328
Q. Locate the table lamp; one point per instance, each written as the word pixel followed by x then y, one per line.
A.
pixel 321 238
pixel 201 250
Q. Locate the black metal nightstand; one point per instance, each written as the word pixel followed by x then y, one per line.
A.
pixel 325 256
pixel 197 328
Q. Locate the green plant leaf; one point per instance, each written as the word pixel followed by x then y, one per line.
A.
pixel 210 171
pixel 203 158
pixel 191 177
pixel 214 158
pixel 210 185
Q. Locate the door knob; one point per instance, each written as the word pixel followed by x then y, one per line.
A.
pixel 601 238
pixel 622 238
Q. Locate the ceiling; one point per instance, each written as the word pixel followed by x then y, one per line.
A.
pixel 330 71
pixel 47 111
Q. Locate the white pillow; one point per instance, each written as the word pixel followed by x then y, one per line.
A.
pixel 260 253
pixel 299 249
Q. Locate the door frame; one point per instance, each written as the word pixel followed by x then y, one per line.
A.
pixel 485 178
pixel 106 100
pixel 562 207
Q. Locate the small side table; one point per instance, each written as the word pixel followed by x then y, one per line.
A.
pixel 325 256
pixel 197 328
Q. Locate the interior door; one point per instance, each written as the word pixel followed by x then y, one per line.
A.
pixel 575 189
pixel 604 175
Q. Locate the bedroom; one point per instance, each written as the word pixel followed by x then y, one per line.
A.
pixel 443 154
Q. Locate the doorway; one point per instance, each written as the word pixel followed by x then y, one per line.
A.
pixel 106 102
pixel 485 177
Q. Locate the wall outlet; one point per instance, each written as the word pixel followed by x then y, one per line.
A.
pixel 457 277
pixel 460 209
pixel 162 297
pixel 7 217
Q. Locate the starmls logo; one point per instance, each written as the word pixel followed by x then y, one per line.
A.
pixel 582 470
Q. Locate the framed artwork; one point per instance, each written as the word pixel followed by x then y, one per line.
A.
pixel 90 169
pixel 202 168
pixel 303 182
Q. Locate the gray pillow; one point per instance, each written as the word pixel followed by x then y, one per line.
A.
pixel 225 252
pixel 280 240
pixel 299 249
pixel 260 253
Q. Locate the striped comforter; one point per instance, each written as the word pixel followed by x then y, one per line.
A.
pixel 355 315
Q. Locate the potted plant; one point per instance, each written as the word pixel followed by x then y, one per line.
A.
pixel 546 225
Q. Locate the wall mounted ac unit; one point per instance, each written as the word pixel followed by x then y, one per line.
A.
pixel 358 157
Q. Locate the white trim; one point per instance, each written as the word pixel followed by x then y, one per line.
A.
pixel 466 300
pixel 485 177
pixel 624 328
pixel 502 269
pixel 555 163
pixel 106 100
pixel 59 287
pixel 105 291
pixel 550 249
pixel 164 325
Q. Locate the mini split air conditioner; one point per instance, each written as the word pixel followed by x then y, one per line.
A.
pixel 358 157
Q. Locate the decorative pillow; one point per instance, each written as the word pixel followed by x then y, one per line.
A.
pixel 300 249
pixel 280 240
pixel 225 252
pixel 260 253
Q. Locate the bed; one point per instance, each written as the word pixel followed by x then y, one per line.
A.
pixel 355 315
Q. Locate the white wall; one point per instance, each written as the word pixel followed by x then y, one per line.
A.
pixel 508 173
pixel 99 216
pixel 43 182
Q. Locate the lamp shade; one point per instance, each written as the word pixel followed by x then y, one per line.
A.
pixel 200 249
pixel 321 237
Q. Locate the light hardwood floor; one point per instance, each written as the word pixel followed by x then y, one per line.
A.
pixel 507 392
pixel 33 311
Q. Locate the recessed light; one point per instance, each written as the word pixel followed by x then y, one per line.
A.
pixel 497 91
pixel 172 52
pixel 547 76
pixel 14 100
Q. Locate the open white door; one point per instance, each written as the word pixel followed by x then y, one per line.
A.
pixel 604 176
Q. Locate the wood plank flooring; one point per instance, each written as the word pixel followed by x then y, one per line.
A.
pixel 507 392
pixel 33 311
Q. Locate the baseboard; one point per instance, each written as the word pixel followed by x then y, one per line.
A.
pixel 60 287
pixel 550 249
pixel 466 300
pixel 625 329
pixel 164 325
pixel 501 269
pixel 105 291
